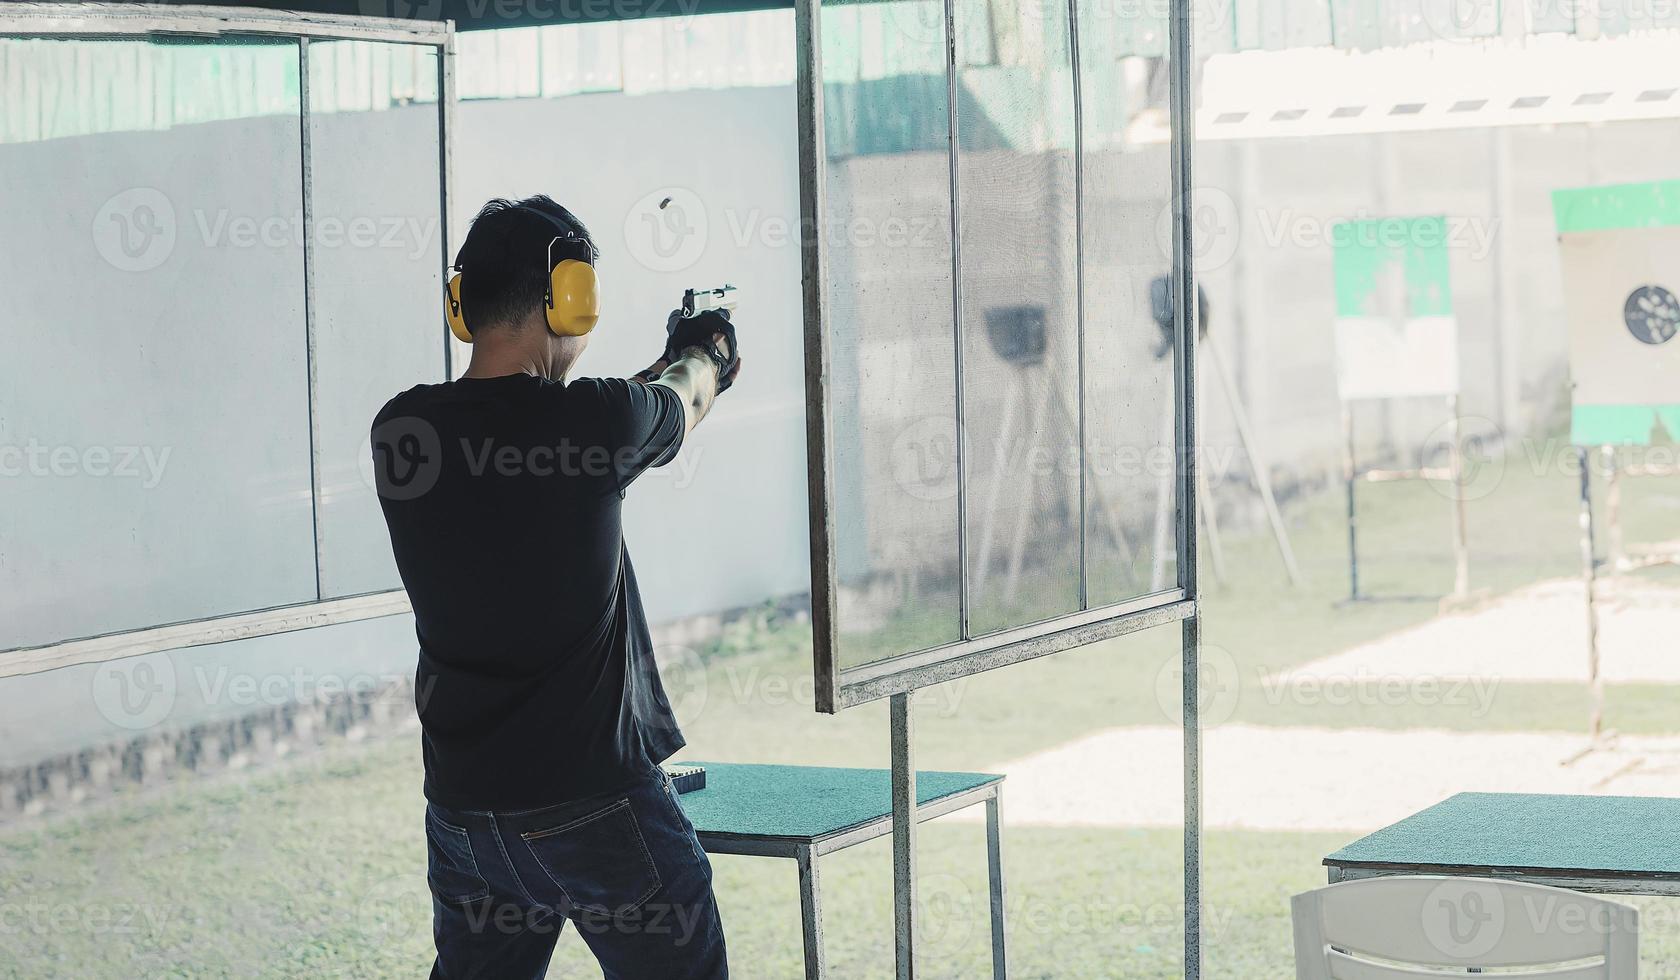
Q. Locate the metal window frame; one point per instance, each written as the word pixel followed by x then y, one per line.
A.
pixel 140 20
pixel 839 687
pixel 114 21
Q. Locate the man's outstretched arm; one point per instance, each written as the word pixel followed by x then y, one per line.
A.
pixel 693 373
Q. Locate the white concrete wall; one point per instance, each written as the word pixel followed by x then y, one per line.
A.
pixel 729 161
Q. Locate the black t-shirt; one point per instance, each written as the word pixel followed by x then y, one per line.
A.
pixel 537 683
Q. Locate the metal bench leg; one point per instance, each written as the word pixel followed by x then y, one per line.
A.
pixel 810 907
pixel 994 862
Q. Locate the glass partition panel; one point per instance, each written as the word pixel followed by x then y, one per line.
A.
pixel 154 429
pixel 890 322
pixel 1019 281
pixel 378 268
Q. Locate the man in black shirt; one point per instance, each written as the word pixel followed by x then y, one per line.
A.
pixel 544 721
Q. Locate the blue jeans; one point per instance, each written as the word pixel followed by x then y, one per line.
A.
pixel 625 868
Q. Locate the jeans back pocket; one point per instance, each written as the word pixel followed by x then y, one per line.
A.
pixel 600 861
pixel 451 868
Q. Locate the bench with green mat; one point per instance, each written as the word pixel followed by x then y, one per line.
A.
pixel 804 812
pixel 1624 845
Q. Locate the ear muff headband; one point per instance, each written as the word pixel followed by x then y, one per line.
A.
pixel 571 303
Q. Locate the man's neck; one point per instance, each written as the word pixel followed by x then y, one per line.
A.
pixel 501 353
pixel 502 364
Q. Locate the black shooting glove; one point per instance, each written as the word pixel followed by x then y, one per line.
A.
pixel 681 333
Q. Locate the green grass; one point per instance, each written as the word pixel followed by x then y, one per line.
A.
pixel 314 868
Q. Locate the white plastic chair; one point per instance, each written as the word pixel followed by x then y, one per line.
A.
pixel 1425 927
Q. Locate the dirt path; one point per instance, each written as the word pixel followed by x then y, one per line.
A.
pixel 1538 633
pixel 1305 779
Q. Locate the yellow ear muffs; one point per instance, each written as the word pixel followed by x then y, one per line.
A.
pixel 574 298
pixel 452 310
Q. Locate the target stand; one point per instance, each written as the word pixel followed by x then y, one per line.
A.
pixel 1618 247
pixel 1452 474
pixel 1397 338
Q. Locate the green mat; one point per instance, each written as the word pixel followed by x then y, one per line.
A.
pixel 1519 830
pixel 805 802
pixel 1621 425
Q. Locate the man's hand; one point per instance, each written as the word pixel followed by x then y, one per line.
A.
pixel 704 364
pixel 712 334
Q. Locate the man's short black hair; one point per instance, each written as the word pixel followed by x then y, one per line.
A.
pixel 504 275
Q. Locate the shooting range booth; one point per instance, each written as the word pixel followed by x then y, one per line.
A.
pixel 976 301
